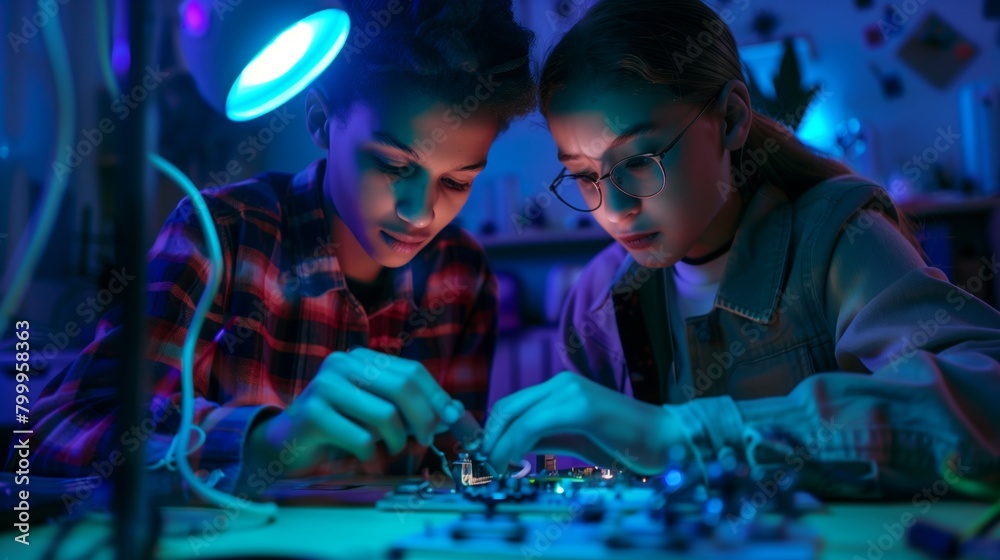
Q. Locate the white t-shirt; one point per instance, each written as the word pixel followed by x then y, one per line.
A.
pixel 698 284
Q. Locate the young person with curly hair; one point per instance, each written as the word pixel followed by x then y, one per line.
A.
pixel 353 324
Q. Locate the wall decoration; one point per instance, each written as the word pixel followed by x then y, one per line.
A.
pixel 874 36
pixel 937 51
pixel 791 97
pixel 891 84
pixel 765 23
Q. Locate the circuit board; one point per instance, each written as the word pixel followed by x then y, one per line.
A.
pixel 599 514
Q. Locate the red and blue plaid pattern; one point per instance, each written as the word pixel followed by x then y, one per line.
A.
pixel 282 307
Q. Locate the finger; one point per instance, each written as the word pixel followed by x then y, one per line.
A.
pixel 341 432
pixel 400 382
pixel 445 407
pixel 377 375
pixel 511 407
pixel 549 417
pixel 370 410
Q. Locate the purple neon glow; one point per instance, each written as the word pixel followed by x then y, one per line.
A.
pixel 121 52
pixel 194 17
pixel 121 57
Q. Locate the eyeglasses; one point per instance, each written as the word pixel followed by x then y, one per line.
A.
pixel 639 176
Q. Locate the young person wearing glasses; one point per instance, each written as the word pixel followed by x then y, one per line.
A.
pixel 759 298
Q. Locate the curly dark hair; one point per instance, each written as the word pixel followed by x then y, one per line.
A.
pixel 445 49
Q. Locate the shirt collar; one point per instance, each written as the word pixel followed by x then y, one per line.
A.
pixel 315 262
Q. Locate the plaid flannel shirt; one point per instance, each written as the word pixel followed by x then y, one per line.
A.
pixel 282 307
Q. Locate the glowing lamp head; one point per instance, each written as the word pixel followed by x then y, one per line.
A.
pixel 249 59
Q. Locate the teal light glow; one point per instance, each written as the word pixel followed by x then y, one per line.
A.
pixel 817 129
pixel 280 56
pixel 763 60
pixel 288 64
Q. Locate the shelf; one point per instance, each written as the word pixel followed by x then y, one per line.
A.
pixel 947 203
pixel 534 238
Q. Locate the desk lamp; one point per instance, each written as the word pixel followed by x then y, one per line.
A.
pixel 250 58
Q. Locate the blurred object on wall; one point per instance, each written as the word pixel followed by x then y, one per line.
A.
pixel 193 136
pixel 792 97
pixel 858 147
pixel 891 84
pixel 775 73
pixel 980 110
pixel 509 302
pixel 477 214
pixel 873 35
pixel 557 285
pixel 765 23
pixel 991 9
pixel 579 220
pixel 937 51
pixel 509 211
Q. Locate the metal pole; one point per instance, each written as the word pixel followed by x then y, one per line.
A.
pixel 131 500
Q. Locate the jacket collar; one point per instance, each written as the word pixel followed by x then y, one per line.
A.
pixel 753 282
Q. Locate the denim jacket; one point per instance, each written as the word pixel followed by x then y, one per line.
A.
pixel 833 354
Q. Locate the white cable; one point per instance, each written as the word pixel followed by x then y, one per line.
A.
pixel 525 469
pixel 211 495
pixel 168 461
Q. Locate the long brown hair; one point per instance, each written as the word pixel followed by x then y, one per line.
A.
pixel 685 46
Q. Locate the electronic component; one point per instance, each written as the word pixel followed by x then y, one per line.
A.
pixel 471 471
pixel 603 513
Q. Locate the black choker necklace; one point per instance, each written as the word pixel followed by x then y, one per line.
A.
pixel 709 257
